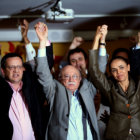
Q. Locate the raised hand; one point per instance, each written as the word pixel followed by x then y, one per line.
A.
pixel 96 38
pixel 98 33
pixel 42 33
pixel 24 28
pixel 77 41
pixel 24 31
pixel 41 30
pixel 103 31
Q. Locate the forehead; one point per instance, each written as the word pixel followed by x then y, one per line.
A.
pixel 118 62
pixel 77 54
pixel 70 70
pixel 13 60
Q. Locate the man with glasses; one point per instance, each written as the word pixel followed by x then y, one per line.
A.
pixel 19 104
pixel 72 110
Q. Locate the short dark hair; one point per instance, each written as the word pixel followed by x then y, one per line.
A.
pixel 9 55
pixel 118 50
pixel 76 50
pixel 118 57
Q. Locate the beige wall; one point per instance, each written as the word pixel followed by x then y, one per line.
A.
pixel 60 48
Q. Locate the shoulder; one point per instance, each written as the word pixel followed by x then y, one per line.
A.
pixel 87 85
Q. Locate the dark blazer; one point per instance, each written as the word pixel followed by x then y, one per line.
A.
pixel 59 99
pixel 32 94
pixel 134 62
pixel 124 107
pixel 34 98
pixel 49 53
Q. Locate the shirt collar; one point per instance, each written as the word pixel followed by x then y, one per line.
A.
pixel 19 88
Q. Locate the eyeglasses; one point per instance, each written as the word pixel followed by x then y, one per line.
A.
pixel 67 77
pixel 14 67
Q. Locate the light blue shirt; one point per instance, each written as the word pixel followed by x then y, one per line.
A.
pixel 75 127
pixel 102 51
pixel 136 47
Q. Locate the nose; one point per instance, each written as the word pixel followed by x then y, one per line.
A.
pixel 70 78
pixel 78 64
pixel 118 71
pixel 16 69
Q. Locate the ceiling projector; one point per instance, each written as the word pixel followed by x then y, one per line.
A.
pixel 59 14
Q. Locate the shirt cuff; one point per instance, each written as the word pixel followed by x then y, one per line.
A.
pixel 48 43
pixel 41 52
pixel 137 47
pixel 29 47
pixel 30 52
pixel 102 51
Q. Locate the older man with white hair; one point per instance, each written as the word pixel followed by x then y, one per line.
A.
pixel 73 115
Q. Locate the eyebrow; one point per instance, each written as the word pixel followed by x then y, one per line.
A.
pixel 118 66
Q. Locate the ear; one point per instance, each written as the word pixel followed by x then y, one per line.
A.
pixel 24 68
pixel 80 78
pixel 128 67
pixel 2 71
pixel 87 62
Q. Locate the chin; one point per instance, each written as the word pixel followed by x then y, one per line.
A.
pixel 71 89
pixel 16 81
pixel 120 80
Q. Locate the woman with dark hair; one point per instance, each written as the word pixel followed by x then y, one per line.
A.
pixel 122 94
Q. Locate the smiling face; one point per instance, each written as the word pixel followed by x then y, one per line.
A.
pixel 70 78
pixel 13 70
pixel 78 60
pixel 119 70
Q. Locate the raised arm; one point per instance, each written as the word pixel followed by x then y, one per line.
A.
pixel 100 37
pixel 97 37
pixel 45 77
pixel 99 44
pixel 30 51
pixel 97 76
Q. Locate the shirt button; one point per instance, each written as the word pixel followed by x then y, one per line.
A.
pixel 66 129
pixel 129 117
pixel 127 105
pixel 67 115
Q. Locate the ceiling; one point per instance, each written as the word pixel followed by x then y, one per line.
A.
pixel 117 14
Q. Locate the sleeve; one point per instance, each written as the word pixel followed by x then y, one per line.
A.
pixel 49 53
pixel 45 77
pixel 30 52
pixel 102 59
pixel 102 52
pixel 98 78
